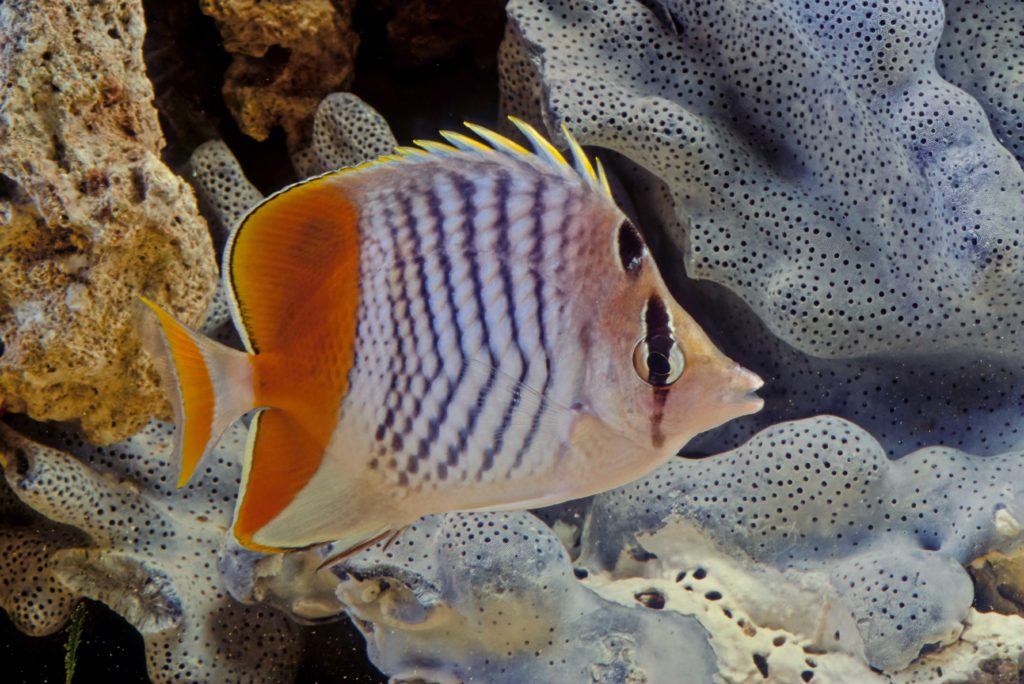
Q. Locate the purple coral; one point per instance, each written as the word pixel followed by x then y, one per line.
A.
pixel 818 165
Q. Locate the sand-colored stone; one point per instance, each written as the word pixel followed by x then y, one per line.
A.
pixel 89 217
pixel 286 56
pixel 999 582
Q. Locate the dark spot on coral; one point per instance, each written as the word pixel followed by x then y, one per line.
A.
pixel 807 675
pixel 60 153
pixel 761 662
pixel 641 555
pixel 581 573
pixel 95 182
pixel 651 598
pixel 21 462
pixel 8 188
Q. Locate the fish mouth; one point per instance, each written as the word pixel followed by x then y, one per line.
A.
pixel 745 385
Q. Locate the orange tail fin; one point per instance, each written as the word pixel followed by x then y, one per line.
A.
pixel 211 385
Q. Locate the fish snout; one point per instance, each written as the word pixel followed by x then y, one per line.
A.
pixel 740 390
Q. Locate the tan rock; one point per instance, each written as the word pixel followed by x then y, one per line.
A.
pixel 999 582
pixel 287 55
pixel 89 217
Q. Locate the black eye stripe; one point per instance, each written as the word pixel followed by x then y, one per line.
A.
pixel 656 321
pixel 631 247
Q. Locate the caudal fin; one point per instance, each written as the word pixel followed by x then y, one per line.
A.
pixel 210 385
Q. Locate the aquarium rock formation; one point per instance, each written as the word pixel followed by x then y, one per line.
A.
pixel 850 224
pixel 286 56
pixel 91 217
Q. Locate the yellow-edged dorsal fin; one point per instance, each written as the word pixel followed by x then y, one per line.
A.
pixel 602 177
pixel 541 146
pixel 464 142
pixel 435 147
pixel 579 158
pixel 498 141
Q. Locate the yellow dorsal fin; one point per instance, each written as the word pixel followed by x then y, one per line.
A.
pixel 602 178
pixel 579 158
pixel 541 146
pixel 498 141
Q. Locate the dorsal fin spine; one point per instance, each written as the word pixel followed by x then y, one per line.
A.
pixel 541 146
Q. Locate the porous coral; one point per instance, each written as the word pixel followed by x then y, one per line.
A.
pixel 91 217
pixel 493 595
pixel 818 165
pixel 120 533
pixel 815 508
pixel 976 54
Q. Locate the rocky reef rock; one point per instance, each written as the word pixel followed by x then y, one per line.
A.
pixel 999 581
pixel 286 57
pixel 818 165
pixel 90 217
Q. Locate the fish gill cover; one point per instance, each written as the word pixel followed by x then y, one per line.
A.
pixel 849 221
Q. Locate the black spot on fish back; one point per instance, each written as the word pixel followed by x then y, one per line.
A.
pixel 656 319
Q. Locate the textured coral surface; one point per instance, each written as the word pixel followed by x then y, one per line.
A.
pixel 818 164
pixel 91 217
pixel 286 57
pixel 122 534
pixel 818 501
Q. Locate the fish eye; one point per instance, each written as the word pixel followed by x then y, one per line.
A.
pixel 658 360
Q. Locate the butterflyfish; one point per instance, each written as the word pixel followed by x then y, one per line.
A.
pixel 459 326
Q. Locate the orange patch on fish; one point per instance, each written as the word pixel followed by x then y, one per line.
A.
pixel 294 268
